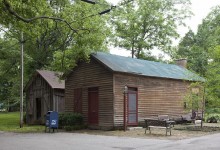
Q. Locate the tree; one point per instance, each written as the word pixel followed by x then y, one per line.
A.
pixel 194 100
pixel 9 67
pixel 53 26
pixel 53 29
pixel 56 25
pixel 195 47
pixel 143 25
pixel 213 79
pixel 202 51
pixel 186 43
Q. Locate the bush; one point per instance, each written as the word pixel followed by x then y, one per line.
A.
pixel 71 121
pixel 213 110
pixel 212 119
pixel 74 127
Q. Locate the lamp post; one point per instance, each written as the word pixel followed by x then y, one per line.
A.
pixel 125 106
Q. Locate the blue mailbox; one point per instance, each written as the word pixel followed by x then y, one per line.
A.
pixel 51 120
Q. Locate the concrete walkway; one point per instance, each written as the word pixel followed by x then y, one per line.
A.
pixel 75 141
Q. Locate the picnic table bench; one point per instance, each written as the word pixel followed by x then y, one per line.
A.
pixel 154 123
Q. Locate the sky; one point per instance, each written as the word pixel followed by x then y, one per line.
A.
pixel 200 9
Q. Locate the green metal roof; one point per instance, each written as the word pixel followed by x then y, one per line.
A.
pixel 146 68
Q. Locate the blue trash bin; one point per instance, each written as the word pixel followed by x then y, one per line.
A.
pixel 51 120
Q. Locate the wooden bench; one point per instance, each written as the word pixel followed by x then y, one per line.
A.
pixel 163 117
pixel 167 118
pixel 187 118
pixel 154 123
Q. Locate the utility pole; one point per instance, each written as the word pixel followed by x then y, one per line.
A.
pixel 22 80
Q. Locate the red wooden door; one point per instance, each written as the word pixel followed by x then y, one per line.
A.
pixel 93 103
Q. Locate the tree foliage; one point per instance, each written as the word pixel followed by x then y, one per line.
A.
pixel 213 79
pixel 196 47
pixel 9 69
pixel 57 33
pixel 195 100
pixel 203 53
pixel 50 26
pixel 143 25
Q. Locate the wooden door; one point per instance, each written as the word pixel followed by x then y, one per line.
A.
pixel 38 108
pixel 132 108
pixel 78 100
pixel 93 109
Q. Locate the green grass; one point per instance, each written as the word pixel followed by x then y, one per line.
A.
pixel 11 122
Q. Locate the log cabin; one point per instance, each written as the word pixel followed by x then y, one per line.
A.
pixel 44 92
pixel 111 91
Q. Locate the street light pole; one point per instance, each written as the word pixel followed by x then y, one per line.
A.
pixel 22 80
pixel 125 107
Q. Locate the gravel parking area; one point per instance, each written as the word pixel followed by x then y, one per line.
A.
pixel 79 141
pixel 179 132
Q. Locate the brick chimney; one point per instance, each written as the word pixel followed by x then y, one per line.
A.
pixel 181 62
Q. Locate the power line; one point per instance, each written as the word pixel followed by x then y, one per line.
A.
pixel 88 1
pixel 125 3
pixel 107 10
pixel 92 2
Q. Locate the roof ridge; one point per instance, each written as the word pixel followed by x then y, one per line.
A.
pixel 138 59
pixel 145 67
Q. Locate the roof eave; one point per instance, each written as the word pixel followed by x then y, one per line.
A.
pixel 139 74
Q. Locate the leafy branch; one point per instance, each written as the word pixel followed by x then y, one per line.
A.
pixel 28 20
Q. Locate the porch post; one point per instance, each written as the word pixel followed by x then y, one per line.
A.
pixel 125 106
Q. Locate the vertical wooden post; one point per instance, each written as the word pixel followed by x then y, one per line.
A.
pixel 22 80
pixel 203 106
pixel 125 125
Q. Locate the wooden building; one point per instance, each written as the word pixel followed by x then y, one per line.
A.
pixel 44 92
pixel 96 89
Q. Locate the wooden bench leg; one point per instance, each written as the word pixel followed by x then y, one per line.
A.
pixel 147 129
pixel 168 130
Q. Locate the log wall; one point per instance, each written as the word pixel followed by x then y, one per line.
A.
pixel 87 75
pixel 40 89
pixel 156 96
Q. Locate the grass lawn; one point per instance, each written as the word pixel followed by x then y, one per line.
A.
pixel 10 121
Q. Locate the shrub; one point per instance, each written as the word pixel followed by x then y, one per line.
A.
pixel 74 127
pixel 71 121
pixel 212 119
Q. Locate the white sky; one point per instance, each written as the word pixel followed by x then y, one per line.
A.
pixel 200 9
